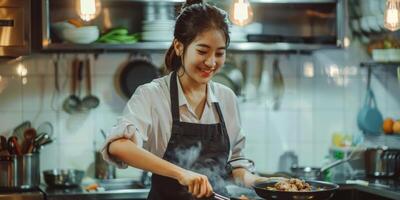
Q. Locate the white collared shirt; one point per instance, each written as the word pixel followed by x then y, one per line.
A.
pixel 147 118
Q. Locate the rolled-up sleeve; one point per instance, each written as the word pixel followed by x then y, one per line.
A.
pixel 133 124
pixel 238 159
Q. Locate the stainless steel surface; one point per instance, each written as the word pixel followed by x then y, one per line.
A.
pixel 63 177
pixel 15 32
pixel 162 46
pixel 20 171
pixel 34 195
pixel 103 170
pixel 298 23
pixel 382 162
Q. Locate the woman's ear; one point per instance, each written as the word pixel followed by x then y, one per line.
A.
pixel 178 47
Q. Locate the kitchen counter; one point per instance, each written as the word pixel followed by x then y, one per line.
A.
pixel 377 189
pixel 78 193
pixel 384 188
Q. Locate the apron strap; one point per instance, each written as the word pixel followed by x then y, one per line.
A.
pixel 173 92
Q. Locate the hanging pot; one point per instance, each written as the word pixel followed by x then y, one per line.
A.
pixel 230 76
pixel 137 71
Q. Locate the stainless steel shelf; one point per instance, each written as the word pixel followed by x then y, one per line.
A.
pixel 377 64
pixel 146 1
pixel 161 46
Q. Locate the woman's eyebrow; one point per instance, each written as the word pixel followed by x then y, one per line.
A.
pixel 207 46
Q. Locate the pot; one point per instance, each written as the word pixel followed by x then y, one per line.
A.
pixel 230 76
pixel 63 177
pixel 20 171
pixel 382 162
pixel 137 71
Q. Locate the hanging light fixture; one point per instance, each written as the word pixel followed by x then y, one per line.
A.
pixel 392 12
pixel 88 9
pixel 241 12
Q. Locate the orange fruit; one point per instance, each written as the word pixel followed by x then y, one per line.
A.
pixel 388 125
pixel 396 127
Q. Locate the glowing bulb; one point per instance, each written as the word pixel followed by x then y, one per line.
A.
pixel 88 9
pixel 241 12
pixel 392 18
pixel 22 70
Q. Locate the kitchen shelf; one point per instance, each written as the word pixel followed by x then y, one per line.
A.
pixel 382 64
pixel 252 1
pixel 162 46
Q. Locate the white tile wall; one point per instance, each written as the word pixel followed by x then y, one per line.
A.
pixel 313 107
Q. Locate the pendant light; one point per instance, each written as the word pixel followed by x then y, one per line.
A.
pixel 88 9
pixel 241 12
pixel 392 12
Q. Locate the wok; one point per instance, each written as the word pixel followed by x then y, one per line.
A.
pixel 320 191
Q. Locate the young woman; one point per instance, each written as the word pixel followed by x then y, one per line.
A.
pixel 183 127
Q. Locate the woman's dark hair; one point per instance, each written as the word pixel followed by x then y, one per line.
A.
pixel 195 17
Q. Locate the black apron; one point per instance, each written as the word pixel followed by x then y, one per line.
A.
pixel 202 148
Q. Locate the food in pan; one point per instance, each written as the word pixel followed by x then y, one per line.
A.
pixel 291 185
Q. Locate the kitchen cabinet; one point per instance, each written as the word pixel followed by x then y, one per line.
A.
pixel 131 14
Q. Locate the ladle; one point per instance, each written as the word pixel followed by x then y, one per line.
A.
pixel 90 101
pixel 72 103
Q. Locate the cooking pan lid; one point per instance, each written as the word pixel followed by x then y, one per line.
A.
pixel 137 71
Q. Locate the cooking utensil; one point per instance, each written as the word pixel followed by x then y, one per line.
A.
pixel 320 191
pixel 103 169
pixel 13 146
pixel 369 118
pixel 316 173
pixel 90 101
pixel 220 197
pixel 230 76
pixel 45 128
pixel 3 146
pixel 382 161
pixel 137 71
pixel 63 177
pixel 72 103
pixel 20 129
pixel 29 139
pixel 278 86
pixel 20 171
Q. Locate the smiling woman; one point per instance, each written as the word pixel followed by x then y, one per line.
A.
pixel 189 147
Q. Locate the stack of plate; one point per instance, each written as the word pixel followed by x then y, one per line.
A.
pixel 160 30
pixel 158 24
pixel 237 34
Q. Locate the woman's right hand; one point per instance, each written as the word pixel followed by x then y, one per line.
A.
pixel 198 184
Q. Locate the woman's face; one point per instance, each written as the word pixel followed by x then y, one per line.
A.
pixel 205 56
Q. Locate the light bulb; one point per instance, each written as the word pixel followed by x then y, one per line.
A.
pixel 88 9
pixel 241 12
pixel 392 18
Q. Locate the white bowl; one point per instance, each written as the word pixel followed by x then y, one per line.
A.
pixel 81 35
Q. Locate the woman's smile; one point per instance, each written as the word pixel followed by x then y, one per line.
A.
pixel 206 72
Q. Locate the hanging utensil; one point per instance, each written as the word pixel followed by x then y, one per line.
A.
pixel 278 86
pixel 90 101
pixel 137 71
pixel 72 103
pixel 20 129
pixel 45 128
